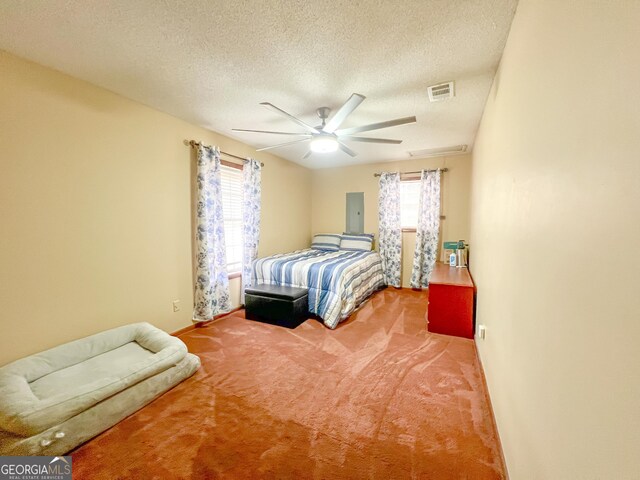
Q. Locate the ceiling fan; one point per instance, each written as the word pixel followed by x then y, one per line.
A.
pixel 327 138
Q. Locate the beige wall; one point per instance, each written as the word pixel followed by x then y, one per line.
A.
pixel 555 232
pixel 331 185
pixel 95 204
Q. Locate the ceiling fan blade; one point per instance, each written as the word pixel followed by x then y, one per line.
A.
pixel 307 155
pixel 267 131
pixel 290 117
pixel 371 140
pixel 347 150
pixel 281 145
pixel 376 126
pixel 345 110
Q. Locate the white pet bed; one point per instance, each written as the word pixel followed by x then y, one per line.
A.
pixel 53 401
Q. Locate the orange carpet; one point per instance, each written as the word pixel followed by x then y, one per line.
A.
pixel 377 398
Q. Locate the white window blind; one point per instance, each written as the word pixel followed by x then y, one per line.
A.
pixel 409 199
pixel 232 207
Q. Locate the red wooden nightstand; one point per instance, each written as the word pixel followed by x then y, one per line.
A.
pixel 450 310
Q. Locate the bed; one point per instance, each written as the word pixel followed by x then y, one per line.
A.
pixel 338 281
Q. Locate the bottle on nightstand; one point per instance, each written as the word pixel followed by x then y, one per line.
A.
pixel 461 254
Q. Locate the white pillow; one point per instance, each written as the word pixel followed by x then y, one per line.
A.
pixel 356 242
pixel 326 241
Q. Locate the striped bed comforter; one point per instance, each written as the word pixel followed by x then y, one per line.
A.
pixel 338 282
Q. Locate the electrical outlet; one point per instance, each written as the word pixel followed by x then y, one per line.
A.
pixel 481 332
pixel 176 305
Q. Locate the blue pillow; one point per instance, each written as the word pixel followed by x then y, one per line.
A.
pixel 329 242
pixel 355 242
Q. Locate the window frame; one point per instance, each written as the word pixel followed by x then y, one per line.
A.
pixel 413 177
pixel 237 166
pixel 407 179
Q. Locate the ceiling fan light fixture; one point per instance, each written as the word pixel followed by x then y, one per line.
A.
pixel 329 137
pixel 324 144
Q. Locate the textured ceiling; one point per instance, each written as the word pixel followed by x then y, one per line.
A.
pixel 212 62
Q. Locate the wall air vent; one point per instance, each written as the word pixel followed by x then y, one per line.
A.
pixel 438 152
pixel 437 93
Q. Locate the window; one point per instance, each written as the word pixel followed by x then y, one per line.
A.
pixel 232 207
pixel 409 198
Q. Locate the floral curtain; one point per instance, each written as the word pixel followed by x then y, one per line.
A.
pixel 212 282
pixel 390 233
pixel 427 230
pixel 251 187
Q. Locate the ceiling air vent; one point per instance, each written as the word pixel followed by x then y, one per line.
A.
pixel 438 152
pixel 440 92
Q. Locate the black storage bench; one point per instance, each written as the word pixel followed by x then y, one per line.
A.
pixel 275 304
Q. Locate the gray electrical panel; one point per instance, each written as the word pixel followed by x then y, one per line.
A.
pixel 355 212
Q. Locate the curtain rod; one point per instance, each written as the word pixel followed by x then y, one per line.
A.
pixel 194 144
pixel 418 171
